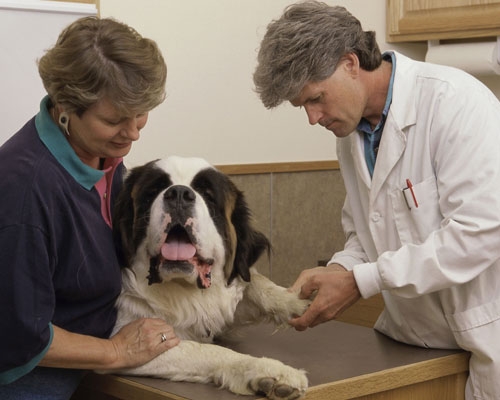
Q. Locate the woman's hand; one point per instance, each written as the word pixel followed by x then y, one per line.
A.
pixel 135 344
pixel 142 340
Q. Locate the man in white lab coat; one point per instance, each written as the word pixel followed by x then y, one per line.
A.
pixel 419 151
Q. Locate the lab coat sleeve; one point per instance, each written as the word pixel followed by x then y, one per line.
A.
pixel 463 131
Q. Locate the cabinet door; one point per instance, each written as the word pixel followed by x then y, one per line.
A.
pixel 80 1
pixel 416 20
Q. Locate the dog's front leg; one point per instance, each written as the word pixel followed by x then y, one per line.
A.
pixel 242 374
pixel 265 301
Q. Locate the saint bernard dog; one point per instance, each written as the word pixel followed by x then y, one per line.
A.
pixel 187 245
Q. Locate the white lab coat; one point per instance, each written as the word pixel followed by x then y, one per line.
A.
pixel 438 264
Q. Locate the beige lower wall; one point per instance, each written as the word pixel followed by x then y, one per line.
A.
pixel 300 213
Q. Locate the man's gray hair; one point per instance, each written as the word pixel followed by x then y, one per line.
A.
pixel 305 45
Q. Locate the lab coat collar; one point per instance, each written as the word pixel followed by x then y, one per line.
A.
pixel 390 151
pixel 403 108
pixel 402 114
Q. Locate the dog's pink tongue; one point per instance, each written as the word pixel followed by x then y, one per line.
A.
pixel 175 250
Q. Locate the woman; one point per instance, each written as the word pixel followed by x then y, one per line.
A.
pixel 59 275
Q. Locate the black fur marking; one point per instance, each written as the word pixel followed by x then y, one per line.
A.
pixel 216 189
pixel 250 242
pixel 131 215
pixel 154 274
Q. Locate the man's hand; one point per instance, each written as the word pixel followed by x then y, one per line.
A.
pixel 334 289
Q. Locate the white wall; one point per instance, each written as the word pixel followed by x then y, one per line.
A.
pixel 211 109
pixel 27 28
pixel 210 47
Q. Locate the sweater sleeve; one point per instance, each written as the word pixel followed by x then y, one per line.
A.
pixel 26 300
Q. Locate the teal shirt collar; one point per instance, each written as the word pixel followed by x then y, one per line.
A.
pixel 51 136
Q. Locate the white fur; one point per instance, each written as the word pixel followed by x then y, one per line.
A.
pixel 198 315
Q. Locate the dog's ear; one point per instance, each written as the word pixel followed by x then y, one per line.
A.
pixel 124 212
pixel 250 243
pixel 123 220
pixel 139 190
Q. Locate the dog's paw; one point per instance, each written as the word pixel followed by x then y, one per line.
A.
pixel 297 306
pixel 277 381
pixel 273 389
pixel 290 306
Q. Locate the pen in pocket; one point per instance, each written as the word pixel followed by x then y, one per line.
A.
pixel 409 195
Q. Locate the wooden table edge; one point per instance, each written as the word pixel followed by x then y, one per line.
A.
pixel 344 389
pixel 392 378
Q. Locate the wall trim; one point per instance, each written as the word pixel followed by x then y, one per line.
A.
pixel 265 168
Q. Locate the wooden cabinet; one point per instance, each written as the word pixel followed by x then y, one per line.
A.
pixel 80 1
pixel 418 20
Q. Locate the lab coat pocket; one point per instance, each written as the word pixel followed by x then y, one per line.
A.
pixel 476 330
pixel 416 211
pixel 474 317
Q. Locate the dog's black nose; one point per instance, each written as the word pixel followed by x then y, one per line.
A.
pixel 179 196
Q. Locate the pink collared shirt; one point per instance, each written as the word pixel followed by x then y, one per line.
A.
pixel 103 187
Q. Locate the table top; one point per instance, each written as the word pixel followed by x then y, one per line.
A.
pixel 333 351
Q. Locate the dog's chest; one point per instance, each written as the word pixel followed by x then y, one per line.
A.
pixel 195 314
pixel 208 313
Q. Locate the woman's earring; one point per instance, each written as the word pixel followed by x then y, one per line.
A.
pixel 64 122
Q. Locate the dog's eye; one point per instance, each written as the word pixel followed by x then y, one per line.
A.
pixel 208 195
pixel 143 203
pixel 207 185
pixel 150 194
